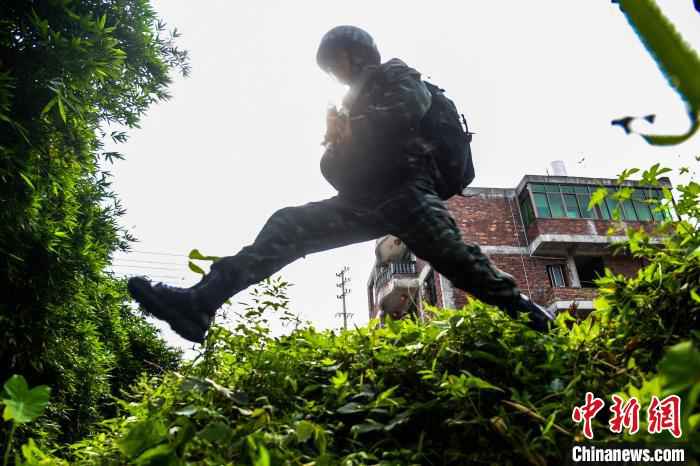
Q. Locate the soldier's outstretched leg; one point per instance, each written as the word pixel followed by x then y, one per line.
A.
pixel 418 216
pixel 289 234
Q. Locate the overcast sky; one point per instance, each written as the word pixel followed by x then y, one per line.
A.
pixel 240 138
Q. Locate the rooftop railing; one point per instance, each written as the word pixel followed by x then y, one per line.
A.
pixel 394 268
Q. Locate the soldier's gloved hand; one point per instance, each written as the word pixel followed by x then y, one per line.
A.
pixel 539 316
pixel 332 118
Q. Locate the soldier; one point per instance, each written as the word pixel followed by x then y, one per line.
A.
pixel 388 183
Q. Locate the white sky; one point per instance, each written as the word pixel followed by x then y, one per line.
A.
pixel 240 138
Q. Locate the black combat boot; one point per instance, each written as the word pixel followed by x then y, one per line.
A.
pixel 189 311
pixel 539 316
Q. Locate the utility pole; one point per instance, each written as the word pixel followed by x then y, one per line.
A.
pixel 344 277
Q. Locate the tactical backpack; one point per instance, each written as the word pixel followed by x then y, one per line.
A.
pixel 442 125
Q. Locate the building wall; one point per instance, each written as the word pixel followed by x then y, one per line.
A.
pixel 624 265
pixel 487 219
pixel 576 226
pixel 491 219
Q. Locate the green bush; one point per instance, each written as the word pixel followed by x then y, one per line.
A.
pixel 468 387
pixel 68 70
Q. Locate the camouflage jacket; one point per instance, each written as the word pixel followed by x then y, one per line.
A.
pixel 385 106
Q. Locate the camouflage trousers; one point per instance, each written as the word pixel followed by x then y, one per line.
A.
pixel 412 212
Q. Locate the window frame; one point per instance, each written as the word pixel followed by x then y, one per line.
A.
pixel 552 281
pixel 604 212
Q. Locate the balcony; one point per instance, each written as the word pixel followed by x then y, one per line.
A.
pixel 558 221
pixel 395 285
pixel 391 269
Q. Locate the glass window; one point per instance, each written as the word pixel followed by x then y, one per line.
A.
pixel 612 205
pixel 643 211
pixel 661 214
pixel 571 201
pixel 658 215
pixel 541 205
pixel 628 212
pixel 556 275
pixel 556 204
pixel 571 206
pixel 526 210
pixel 604 211
pixel 583 201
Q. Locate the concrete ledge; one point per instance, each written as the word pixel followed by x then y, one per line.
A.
pixel 557 306
pixel 536 243
pixel 504 250
pixel 488 192
pixel 664 182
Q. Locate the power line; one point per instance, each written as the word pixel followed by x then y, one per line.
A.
pixel 148 267
pixel 137 251
pixel 146 262
pixel 156 277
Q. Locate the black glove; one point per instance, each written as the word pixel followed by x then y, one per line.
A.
pixel 539 316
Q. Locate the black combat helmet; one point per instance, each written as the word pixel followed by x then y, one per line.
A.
pixel 359 44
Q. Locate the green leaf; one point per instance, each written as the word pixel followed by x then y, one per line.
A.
pixel 195 268
pixel 258 453
pixel 626 173
pixel 49 105
pixel 216 431
pixel 187 411
pixel 681 366
pixel 351 408
pixel 142 436
pixel 597 197
pixel 305 430
pixel 369 426
pixel 23 405
pixel 694 294
pixel 195 254
pixel 550 422
pixel 674 57
pixel 61 109
pixel 26 180
pixel 162 454
pixel 340 379
pixel 476 382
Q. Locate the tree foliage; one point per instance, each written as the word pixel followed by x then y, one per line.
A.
pixel 69 70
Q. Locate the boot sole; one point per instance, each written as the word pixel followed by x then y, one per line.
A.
pixel 140 289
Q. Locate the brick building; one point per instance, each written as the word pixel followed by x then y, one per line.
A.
pixel 541 232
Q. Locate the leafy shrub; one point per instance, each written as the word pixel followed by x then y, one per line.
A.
pixel 22 405
pixel 67 71
pixel 470 386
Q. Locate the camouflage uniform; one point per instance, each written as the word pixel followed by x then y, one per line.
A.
pixel 388 184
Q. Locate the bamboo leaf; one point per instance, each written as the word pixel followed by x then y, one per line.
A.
pixel 61 110
pixel 678 62
pixel 195 268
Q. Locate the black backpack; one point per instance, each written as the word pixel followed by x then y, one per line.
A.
pixel 442 125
